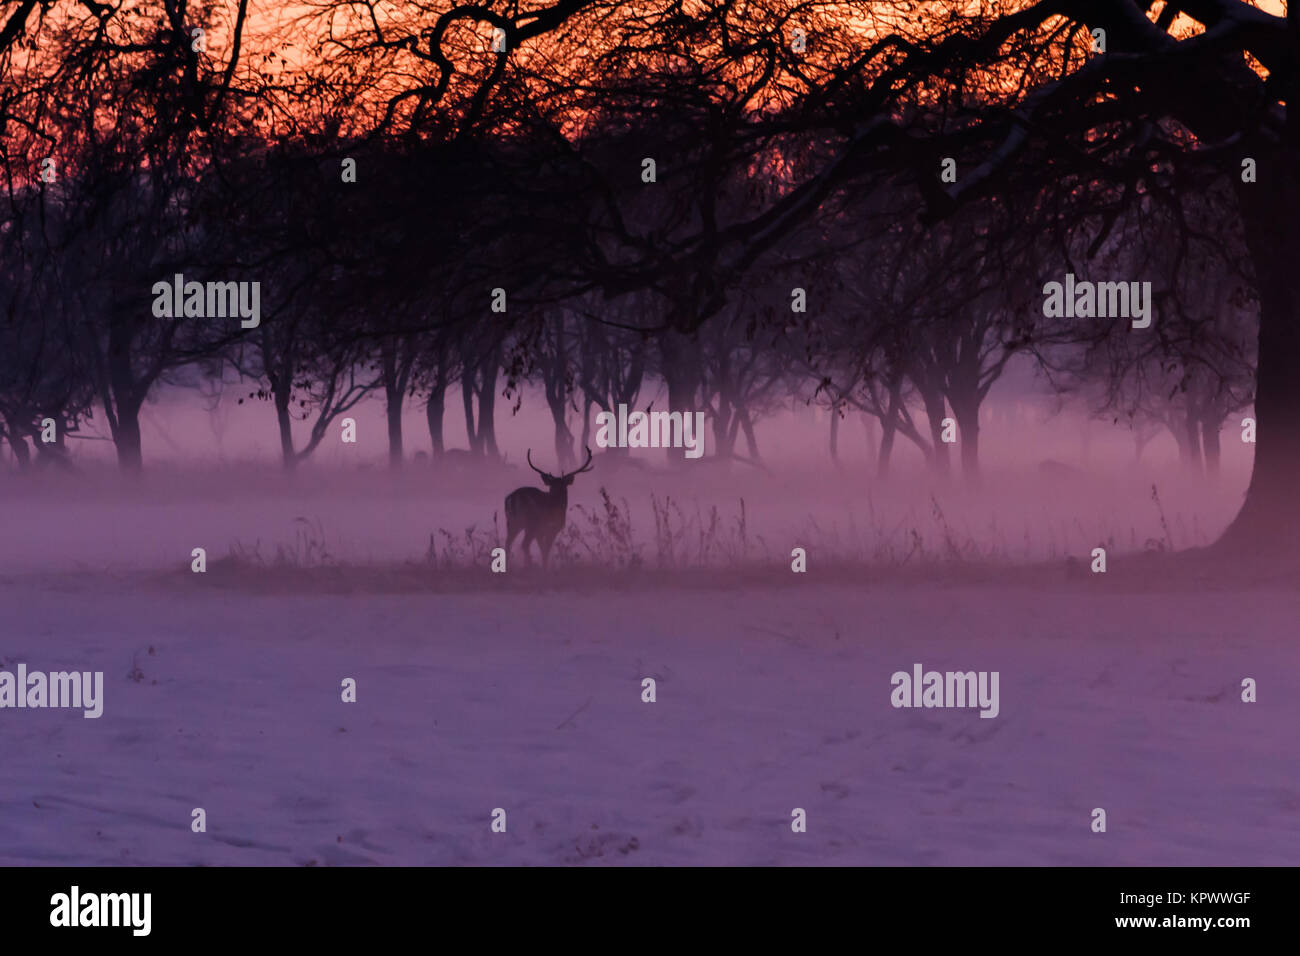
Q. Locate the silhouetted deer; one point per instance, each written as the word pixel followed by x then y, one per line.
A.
pixel 540 514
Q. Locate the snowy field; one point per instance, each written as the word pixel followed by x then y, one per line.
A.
pixel 768 698
pixel 523 691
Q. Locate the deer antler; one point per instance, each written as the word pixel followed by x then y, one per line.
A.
pixel 534 467
pixel 586 466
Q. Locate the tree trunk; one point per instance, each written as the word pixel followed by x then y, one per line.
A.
pixel 56 452
pixel 680 369
pixel 130 451
pixel 887 430
pixel 395 377
pixel 835 436
pixel 393 411
pixel 1140 442
pixel 724 428
pixel 555 384
pixel 563 440
pixel 967 413
pixel 936 411
pixel 126 397
pixel 487 397
pixel 586 420
pixel 22 454
pixel 433 413
pixel 557 402
pixel 1267 524
pixel 751 439
pixel 1210 439
pixel 288 457
pixel 467 398
pixel 1192 438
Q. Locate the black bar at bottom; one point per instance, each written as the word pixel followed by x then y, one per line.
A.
pixel 763 906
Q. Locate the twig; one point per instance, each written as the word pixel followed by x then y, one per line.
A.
pixel 574 714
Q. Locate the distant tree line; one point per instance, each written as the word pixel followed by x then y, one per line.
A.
pixel 692 204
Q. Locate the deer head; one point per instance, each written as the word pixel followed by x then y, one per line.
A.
pixel 563 480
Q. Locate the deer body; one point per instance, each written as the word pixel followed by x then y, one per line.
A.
pixel 539 514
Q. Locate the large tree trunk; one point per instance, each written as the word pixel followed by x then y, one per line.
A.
pixel 681 371
pixel 130 451
pixel 122 401
pixel 1267 523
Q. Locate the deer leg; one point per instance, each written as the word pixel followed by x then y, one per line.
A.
pixel 528 555
pixel 546 550
pixel 511 534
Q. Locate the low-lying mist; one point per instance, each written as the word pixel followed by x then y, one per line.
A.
pixel 1049 487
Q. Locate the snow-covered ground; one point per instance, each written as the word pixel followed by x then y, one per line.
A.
pixel 769 698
